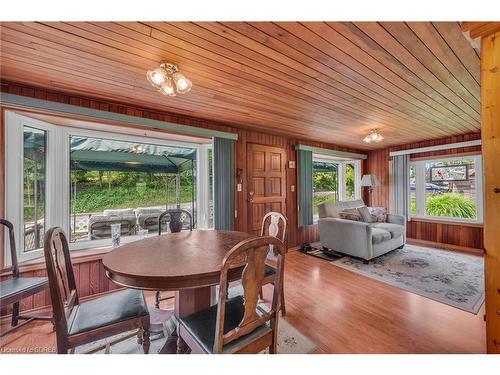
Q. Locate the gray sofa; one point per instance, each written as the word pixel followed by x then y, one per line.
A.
pixel 357 238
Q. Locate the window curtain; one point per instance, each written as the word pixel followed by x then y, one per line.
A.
pixel 400 182
pixel 305 188
pixel 223 183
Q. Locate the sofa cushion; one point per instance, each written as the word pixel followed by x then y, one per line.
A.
pixel 379 214
pixel 394 229
pixel 380 235
pixel 333 209
pixel 365 214
pixel 350 214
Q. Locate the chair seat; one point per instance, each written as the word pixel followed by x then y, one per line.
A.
pixel 112 308
pixel 201 325
pixel 16 287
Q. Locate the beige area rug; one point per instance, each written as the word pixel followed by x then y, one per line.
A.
pixel 291 341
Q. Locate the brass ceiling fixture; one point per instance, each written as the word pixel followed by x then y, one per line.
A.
pixel 374 136
pixel 168 80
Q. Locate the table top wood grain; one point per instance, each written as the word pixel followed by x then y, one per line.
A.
pixel 172 261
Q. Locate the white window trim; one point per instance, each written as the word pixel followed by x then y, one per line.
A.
pixel 57 210
pixel 420 190
pixel 341 176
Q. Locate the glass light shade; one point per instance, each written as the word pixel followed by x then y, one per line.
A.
pixel 374 136
pixel 182 83
pixel 157 77
pixel 168 88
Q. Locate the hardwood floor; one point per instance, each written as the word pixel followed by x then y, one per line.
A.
pixel 343 312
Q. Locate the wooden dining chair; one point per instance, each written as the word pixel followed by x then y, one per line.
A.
pixel 177 217
pixel 239 324
pixel 81 323
pixel 13 290
pixel 274 224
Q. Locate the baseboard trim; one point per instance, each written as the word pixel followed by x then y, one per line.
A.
pixel 446 246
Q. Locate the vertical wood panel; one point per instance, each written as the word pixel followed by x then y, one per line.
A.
pixel 2 182
pixel 490 105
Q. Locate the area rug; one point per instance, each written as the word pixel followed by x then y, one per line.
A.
pixel 448 277
pixel 290 341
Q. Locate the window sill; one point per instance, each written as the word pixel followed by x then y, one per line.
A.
pixel 447 221
pixel 77 256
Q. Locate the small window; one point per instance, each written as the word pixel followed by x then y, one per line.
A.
pixel 334 179
pixel 34 167
pixel 350 191
pixel 325 183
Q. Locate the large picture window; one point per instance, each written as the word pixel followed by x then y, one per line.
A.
pixel 447 188
pixel 334 179
pixel 129 183
pixel 84 181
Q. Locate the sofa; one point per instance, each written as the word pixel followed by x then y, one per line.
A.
pixel 365 240
pixel 147 218
pixel 100 225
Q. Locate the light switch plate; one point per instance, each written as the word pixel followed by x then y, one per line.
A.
pixel 238 187
pixel 291 164
pixel 292 188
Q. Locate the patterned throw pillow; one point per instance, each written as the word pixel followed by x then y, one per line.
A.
pixel 379 214
pixel 365 214
pixel 350 214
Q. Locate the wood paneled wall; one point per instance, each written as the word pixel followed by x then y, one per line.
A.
pixel 457 236
pixel 378 164
pixel 90 275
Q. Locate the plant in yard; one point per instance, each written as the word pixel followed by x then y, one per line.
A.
pixel 451 205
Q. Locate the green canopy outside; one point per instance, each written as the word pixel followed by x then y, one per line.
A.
pixel 108 155
pixel 323 166
pixel 95 154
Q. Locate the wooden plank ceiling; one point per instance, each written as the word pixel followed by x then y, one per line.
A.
pixel 324 81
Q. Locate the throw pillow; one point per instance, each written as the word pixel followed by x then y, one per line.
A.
pixel 350 214
pixel 365 214
pixel 379 214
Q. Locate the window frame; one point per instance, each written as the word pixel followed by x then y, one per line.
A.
pixel 341 176
pixel 420 196
pixel 57 177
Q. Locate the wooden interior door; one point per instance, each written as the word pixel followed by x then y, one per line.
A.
pixel 266 183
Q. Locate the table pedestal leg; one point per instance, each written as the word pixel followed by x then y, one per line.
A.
pixel 187 301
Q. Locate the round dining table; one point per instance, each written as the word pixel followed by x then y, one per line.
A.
pixel 188 262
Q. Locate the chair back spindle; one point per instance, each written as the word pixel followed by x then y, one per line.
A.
pixel 62 283
pixel 277 225
pixel 13 250
pixel 274 224
pixel 251 255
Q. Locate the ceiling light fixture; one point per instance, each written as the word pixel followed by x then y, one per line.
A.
pixel 374 136
pixel 168 80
